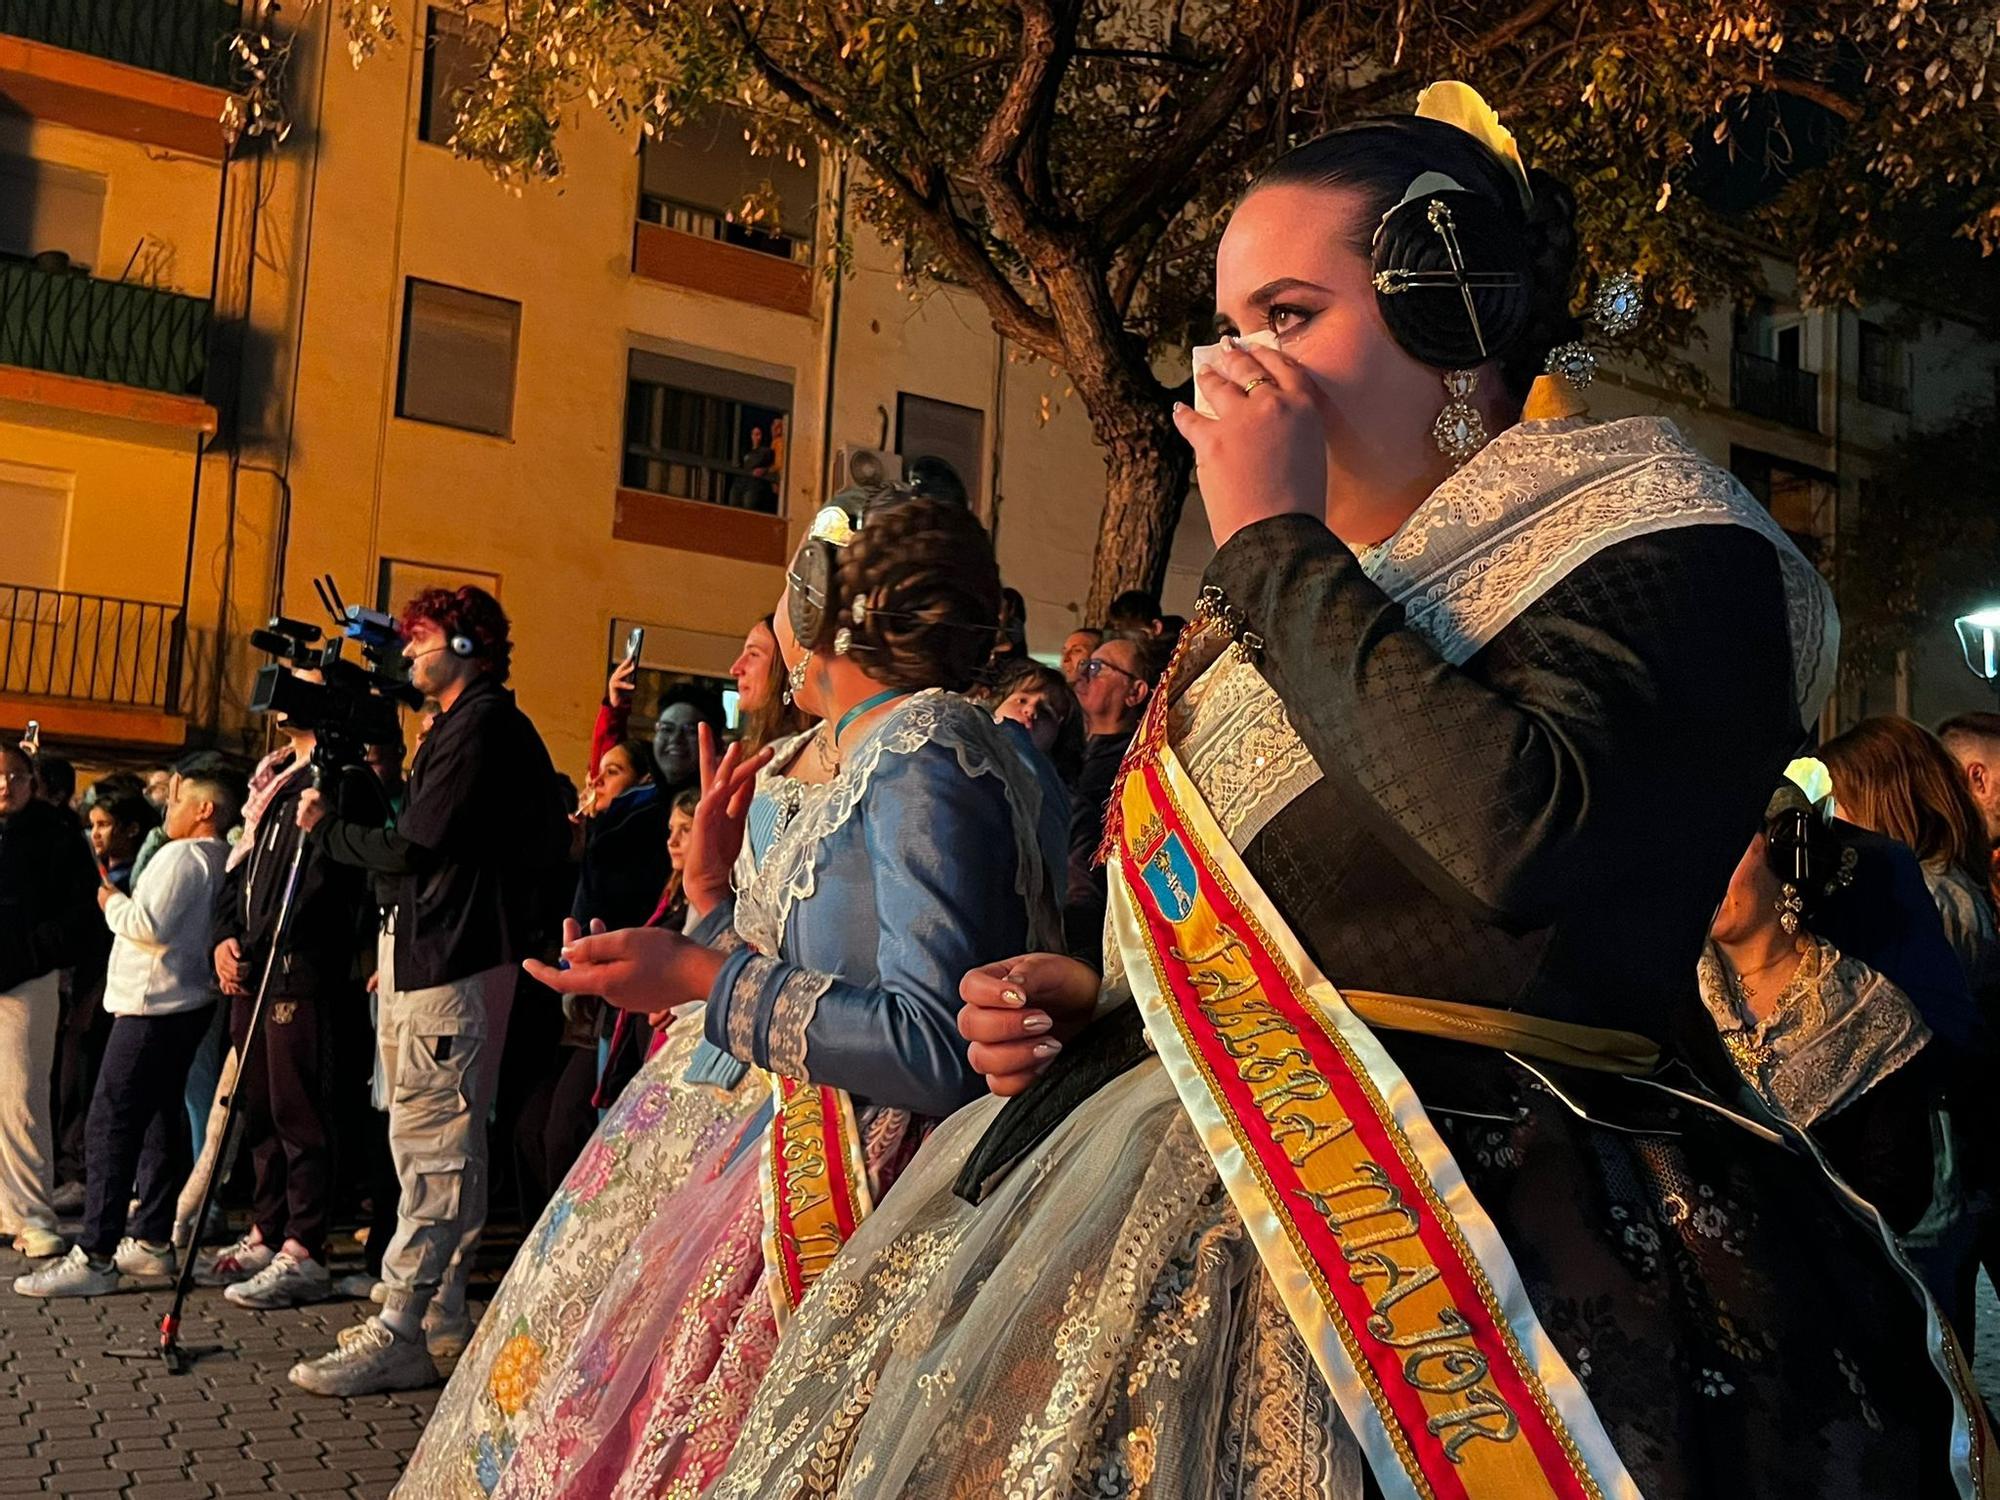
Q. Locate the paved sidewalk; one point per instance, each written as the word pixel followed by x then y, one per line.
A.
pixel 76 1421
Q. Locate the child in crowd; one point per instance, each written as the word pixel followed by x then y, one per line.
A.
pixel 160 990
pixel 119 818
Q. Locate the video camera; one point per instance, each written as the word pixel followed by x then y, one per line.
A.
pixel 355 703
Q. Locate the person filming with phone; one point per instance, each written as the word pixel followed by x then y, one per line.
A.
pixel 480 823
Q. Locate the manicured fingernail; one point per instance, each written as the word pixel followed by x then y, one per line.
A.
pixel 1013 997
pixel 1045 1049
pixel 1231 341
pixel 1037 1020
pixel 1180 406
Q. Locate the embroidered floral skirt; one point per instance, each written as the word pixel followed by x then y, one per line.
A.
pixel 1101 1325
pixel 508 1422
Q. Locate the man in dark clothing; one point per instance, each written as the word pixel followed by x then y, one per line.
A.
pixel 286 1078
pixel 1112 689
pixel 479 827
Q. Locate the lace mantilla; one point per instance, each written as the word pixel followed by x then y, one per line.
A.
pixel 788 872
pixel 1545 497
pixel 1837 1029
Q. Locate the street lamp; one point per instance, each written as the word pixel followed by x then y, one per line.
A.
pixel 1979 639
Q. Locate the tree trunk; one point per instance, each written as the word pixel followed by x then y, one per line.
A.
pixel 1146 469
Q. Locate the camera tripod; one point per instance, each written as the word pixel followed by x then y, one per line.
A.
pixel 178 1357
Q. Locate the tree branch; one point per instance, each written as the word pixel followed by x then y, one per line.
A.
pixel 1011 160
pixel 1159 184
pixel 967 257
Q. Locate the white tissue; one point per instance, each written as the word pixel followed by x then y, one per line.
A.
pixel 1204 355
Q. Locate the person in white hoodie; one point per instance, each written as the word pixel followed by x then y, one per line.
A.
pixel 160 990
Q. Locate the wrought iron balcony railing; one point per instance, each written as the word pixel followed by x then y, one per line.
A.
pixel 186 38
pixel 68 323
pixel 1765 388
pixel 92 649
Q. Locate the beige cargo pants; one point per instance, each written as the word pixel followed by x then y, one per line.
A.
pixel 440 1054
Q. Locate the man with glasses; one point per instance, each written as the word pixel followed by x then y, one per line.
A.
pixel 1112 687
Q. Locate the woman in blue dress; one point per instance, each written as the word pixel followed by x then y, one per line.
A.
pixel 815 1042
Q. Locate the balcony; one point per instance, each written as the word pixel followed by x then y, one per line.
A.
pixel 181 38
pixel 703 252
pixel 153 71
pixel 90 667
pixel 115 348
pixel 1766 388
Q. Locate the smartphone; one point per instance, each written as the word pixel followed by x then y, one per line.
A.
pixel 31 739
pixel 635 642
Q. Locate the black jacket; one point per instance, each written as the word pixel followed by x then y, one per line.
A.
pixel 1090 794
pixel 480 827
pixel 48 894
pixel 319 946
pixel 625 864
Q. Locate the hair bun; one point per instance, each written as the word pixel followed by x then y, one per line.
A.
pixel 1431 322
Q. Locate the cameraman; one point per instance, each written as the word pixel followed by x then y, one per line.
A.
pixel 479 825
pixel 286 1078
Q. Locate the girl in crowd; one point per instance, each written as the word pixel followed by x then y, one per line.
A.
pixel 1387 1183
pixel 621 1352
pixel 625 866
pixel 1039 699
pixel 765 711
pixel 1895 777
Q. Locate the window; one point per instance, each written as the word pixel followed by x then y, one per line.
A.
pixel 46 209
pixel 458 358
pixel 700 433
pixel 457 50
pixel 942 430
pixel 36 504
pixel 1799 497
pixel 698 180
pixel 1883 366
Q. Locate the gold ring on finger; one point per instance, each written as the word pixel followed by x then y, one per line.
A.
pixel 1260 380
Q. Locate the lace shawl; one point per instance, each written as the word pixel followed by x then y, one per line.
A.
pixel 1545 497
pixel 1838 1029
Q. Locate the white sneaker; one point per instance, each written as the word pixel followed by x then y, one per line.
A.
pixel 72 1276
pixel 238 1262
pixel 137 1258
pixel 373 1358
pixel 286 1282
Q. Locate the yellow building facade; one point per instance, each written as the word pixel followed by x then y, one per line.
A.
pixel 225 373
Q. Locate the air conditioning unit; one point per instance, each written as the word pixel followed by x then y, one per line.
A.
pixel 855 467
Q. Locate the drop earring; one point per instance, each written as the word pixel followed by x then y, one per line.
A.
pixel 1459 431
pixel 794 680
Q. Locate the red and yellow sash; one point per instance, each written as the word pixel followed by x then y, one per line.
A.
pixel 815 1182
pixel 1393 1274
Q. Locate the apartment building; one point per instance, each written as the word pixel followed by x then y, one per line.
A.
pixel 227 371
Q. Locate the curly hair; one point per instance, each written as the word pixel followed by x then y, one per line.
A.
pixel 924 568
pixel 472 613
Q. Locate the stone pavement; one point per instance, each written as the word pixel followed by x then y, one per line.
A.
pixel 76 1421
